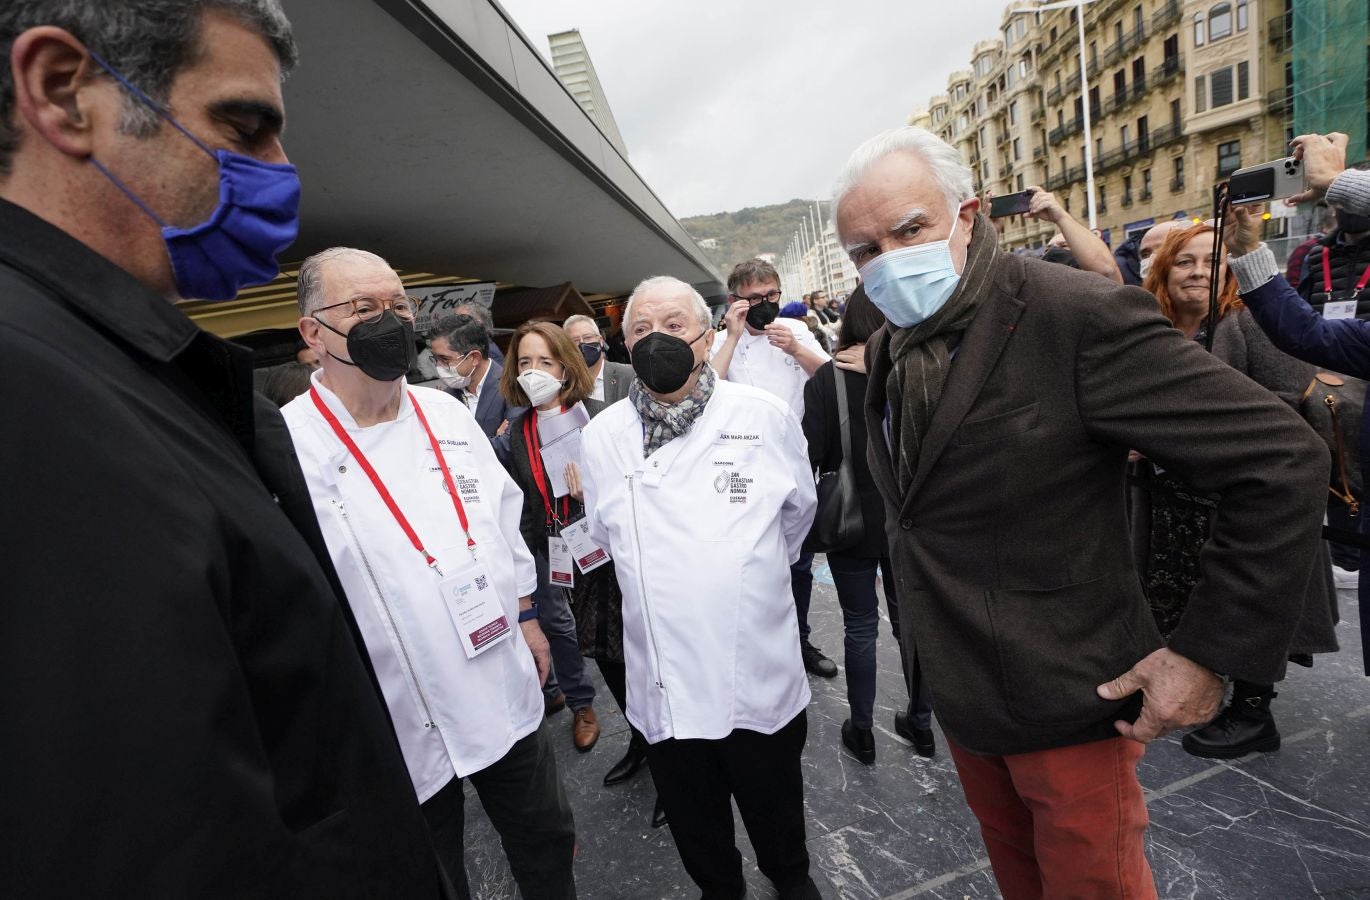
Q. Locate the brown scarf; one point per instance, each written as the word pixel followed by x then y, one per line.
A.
pixel 921 355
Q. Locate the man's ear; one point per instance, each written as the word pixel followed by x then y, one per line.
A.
pixel 56 88
pixel 312 333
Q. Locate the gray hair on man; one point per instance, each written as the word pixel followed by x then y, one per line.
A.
pixel 309 285
pixel 658 282
pixel 148 41
pixel 577 318
pixel 951 174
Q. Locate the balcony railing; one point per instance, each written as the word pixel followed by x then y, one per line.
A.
pixel 1171 133
pixel 1054 96
pixel 1167 70
pixel 1166 15
pixel 1145 195
pixel 1056 182
pixel 1127 200
pixel 1125 45
pixel 1280 102
pixel 1280 32
pixel 1071 127
pixel 1038 113
pixel 1039 152
pixel 1177 184
pixel 1101 205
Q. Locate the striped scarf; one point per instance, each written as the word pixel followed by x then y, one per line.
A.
pixel 921 355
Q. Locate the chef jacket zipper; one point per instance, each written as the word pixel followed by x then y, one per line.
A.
pixel 647 607
pixel 404 651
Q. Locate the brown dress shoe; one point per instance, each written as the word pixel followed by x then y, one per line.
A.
pixel 585 729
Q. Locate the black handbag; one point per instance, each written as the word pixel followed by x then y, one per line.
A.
pixel 838 524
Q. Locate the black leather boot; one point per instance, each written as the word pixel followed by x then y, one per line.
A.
pixel 631 762
pixel 1244 726
pixel 658 813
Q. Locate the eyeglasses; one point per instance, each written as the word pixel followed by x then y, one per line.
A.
pixel 449 362
pixel 768 297
pixel 369 309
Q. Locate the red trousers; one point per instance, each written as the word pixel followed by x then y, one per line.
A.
pixel 1062 823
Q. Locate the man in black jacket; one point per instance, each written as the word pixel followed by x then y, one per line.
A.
pixel 186 711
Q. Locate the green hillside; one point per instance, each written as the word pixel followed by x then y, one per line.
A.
pixel 748 232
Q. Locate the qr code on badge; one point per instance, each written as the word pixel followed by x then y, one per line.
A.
pixel 481 583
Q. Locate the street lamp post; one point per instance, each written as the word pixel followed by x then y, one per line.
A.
pixel 1079 7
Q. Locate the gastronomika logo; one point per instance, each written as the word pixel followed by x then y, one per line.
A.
pixel 721 481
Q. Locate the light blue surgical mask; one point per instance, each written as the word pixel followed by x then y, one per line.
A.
pixel 910 284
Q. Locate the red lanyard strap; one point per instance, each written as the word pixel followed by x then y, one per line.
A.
pixel 389 501
pixel 534 444
pixel 1327 275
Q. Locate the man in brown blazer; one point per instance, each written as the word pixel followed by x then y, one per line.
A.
pixel 1004 396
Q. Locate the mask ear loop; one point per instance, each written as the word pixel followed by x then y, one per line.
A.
pixel 151 104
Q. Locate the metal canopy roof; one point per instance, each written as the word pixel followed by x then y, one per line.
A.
pixel 435 135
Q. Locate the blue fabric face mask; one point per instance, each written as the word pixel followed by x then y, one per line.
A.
pixel 257 217
pixel 910 284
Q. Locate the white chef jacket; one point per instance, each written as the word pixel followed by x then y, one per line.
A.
pixel 702 534
pixel 758 363
pixel 478 707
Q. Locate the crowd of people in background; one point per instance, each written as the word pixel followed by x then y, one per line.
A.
pixel 262 647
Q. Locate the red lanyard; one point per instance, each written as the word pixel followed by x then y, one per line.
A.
pixel 1327 276
pixel 380 485
pixel 530 437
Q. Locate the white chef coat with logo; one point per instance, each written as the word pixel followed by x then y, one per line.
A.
pixel 453 715
pixel 758 363
pixel 702 534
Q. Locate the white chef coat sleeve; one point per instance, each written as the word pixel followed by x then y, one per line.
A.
pixel 796 515
pixel 591 450
pixel 807 340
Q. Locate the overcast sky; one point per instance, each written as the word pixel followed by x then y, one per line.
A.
pixel 731 103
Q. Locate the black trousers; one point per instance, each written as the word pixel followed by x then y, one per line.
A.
pixel 697 780
pixel 523 796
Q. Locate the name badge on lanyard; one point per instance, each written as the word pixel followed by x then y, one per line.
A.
pixel 560 573
pixel 476 613
pixel 587 554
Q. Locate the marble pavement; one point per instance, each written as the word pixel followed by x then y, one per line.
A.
pixel 1285 825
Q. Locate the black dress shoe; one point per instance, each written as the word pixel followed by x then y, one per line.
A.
pixel 816 662
pixel 658 814
pixel 860 741
pixel 553 704
pixel 629 765
pixel 924 744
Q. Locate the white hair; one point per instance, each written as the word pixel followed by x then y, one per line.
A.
pixel 706 318
pixel 309 284
pixel 579 317
pixel 948 170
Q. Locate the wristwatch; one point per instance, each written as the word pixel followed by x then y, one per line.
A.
pixel 529 613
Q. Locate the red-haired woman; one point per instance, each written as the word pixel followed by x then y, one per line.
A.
pixel 1177 527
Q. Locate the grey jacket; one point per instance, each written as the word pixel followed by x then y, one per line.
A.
pixel 1010 548
pixel 617 377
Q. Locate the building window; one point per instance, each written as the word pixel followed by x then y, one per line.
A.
pixel 1137 19
pixel 1219 21
pixel 1241 15
pixel 1198 29
pixel 1229 158
pixel 1243 80
pixel 1119 83
pixel 1017 150
pixel 1125 135
pixel 1146 183
pixel 1023 68
pixel 1008 35
pixel 1221 81
pixel 1098 148
pixel 1200 95
pixel 1063 165
pixel 1175 115
pixel 1020 182
pixel 1118 31
pixel 1013 111
pixel 1178 183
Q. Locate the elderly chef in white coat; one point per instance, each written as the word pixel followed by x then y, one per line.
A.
pixel 700 490
pixel 422 524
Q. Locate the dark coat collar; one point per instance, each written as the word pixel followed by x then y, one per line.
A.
pixel 101 291
pixel 976 356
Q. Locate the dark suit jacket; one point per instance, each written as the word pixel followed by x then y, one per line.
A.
pixel 492 410
pixel 617 378
pixel 187 713
pixel 1010 546
pixel 533 521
